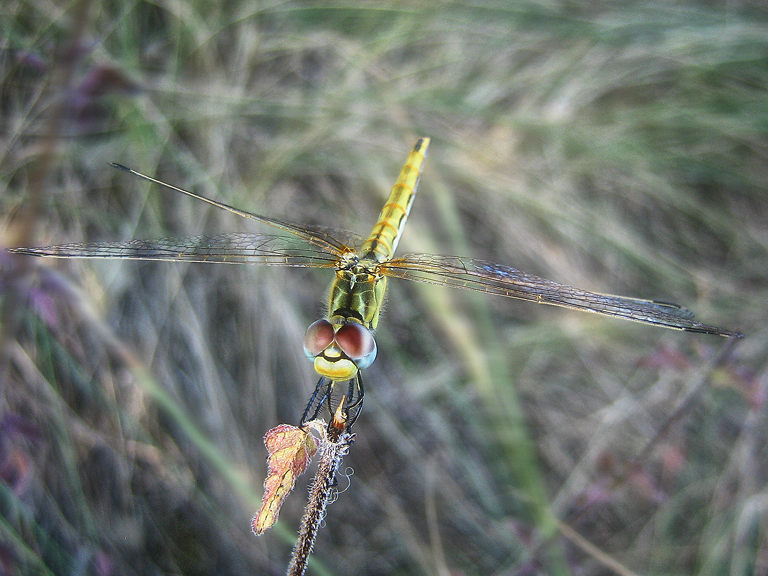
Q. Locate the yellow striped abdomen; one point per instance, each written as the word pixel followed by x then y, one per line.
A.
pixel 385 235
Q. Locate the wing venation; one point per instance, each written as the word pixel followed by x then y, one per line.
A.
pixel 232 248
pixel 482 276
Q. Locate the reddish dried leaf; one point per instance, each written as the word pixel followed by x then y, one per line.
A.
pixel 290 450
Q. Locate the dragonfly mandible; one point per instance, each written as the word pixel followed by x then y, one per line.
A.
pixel 342 343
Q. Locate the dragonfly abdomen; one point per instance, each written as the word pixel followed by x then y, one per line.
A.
pixel 389 228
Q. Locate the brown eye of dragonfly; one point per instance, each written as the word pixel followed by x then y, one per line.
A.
pixel 318 337
pixel 357 342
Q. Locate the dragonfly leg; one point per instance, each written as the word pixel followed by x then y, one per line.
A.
pixel 353 402
pixel 322 397
pixel 322 393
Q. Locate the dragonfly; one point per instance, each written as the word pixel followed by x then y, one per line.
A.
pixel 342 343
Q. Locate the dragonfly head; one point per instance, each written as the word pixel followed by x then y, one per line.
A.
pixel 339 350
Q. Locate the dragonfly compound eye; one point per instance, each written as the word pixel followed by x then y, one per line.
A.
pixel 318 337
pixel 357 342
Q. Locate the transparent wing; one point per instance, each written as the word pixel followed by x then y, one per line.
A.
pixel 327 239
pixel 232 248
pixel 315 246
pixel 472 274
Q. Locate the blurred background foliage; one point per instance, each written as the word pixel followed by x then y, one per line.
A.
pixel 619 147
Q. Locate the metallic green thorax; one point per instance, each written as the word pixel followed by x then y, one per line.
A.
pixel 358 294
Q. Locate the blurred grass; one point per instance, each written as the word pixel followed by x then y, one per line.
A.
pixel 616 148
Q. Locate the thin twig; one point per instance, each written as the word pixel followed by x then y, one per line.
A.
pixel 334 447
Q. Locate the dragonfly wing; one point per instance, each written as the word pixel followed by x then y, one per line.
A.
pixel 333 240
pixel 233 248
pixel 472 274
pixel 323 238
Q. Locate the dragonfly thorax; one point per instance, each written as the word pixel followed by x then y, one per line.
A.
pixel 358 292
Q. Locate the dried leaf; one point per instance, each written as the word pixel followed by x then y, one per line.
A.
pixel 290 450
